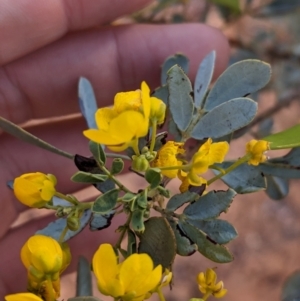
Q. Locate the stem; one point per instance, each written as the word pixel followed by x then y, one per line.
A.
pixel 153 135
pixel 87 205
pixel 124 230
pixel 113 155
pixel 49 296
pixel 65 197
pixel 206 295
pixel 230 168
pixel 63 234
pixel 135 147
pixel 175 167
pixel 163 212
pixel 160 295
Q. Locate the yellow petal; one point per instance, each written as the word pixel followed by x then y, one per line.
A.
pixel 105 267
pixel 127 101
pixel 103 118
pixel 210 277
pixel 218 152
pixel 220 294
pixel 146 100
pixel 101 137
pixel 47 191
pixel 23 297
pixel 201 280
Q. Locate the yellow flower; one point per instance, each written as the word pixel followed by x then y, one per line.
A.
pixel 257 149
pixel 130 280
pixel 45 260
pixel 120 126
pixel 23 297
pixel 42 255
pixel 167 156
pixel 157 110
pixel 208 286
pixel 208 154
pixel 34 189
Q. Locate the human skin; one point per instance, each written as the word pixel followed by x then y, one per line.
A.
pixel 45 46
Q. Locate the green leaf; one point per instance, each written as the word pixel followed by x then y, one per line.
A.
pixel 153 177
pixel 287 167
pixel 234 5
pixel 225 118
pixel 210 205
pixel 87 177
pixel 106 202
pixel 218 230
pixel 289 138
pixel 244 179
pixel 84 278
pixel 54 229
pixel 87 102
pixel 117 166
pixel 290 290
pixel 23 135
pixel 131 242
pixel 98 152
pixel 163 191
pixel 277 188
pixel 128 197
pixel 185 247
pixel 206 246
pixel 101 221
pixel 180 99
pixel 177 59
pixel 239 80
pixel 141 199
pixel 203 78
pixel 158 241
pixel 180 199
pixel 137 220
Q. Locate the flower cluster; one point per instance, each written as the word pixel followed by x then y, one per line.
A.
pixel 208 286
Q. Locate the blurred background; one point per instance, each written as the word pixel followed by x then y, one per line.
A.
pixel 267 250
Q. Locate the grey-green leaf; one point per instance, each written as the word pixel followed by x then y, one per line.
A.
pixel 180 99
pixel 218 230
pixel 239 80
pixel 23 135
pixel 101 221
pixel 87 102
pixel 106 202
pixel 87 177
pixel 180 199
pixel 117 166
pixel 206 247
pixel 98 152
pixel 177 59
pixel 162 93
pixel 225 118
pixel 244 179
pixel 210 205
pixel 290 290
pixel 54 229
pixel 141 199
pixel 203 78
pixel 83 278
pixel 185 247
pixel 158 241
pixel 131 242
pixel 153 177
pixel 174 131
pixel 277 188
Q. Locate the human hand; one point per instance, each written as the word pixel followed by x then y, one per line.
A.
pixel 45 47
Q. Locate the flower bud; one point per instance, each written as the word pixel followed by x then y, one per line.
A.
pixel 139 163
pixel 73 223
pixel 157 110
pixel 35 189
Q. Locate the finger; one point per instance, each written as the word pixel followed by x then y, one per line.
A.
pixel 114 59
pixel 28 25
pixel 84 244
